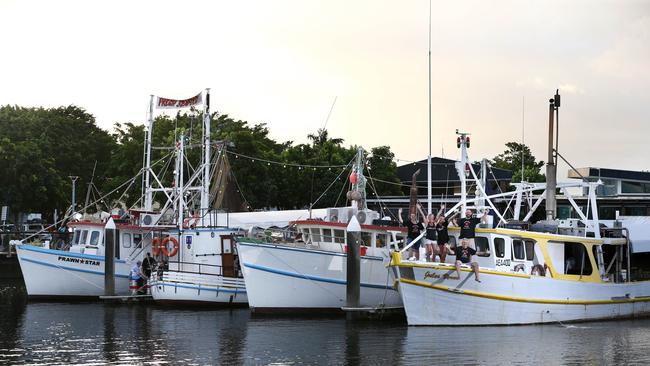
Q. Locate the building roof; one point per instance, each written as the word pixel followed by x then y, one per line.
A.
pixel 596 173
pixel 443 170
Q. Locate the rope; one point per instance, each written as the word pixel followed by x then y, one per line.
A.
pixel 285 164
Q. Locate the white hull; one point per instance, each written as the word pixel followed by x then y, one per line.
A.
pixel 57 273
pixel 501 299
pixel 282 277
pixel 199 289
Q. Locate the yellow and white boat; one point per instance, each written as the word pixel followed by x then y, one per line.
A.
pixel 527 277
pixel 553 271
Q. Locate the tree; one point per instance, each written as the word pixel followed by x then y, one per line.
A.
pixel 511 160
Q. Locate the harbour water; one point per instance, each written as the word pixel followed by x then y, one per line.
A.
pixel 48 333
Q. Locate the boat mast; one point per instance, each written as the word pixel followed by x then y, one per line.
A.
pixel 148 193
pixel 462 142
pixel 205 188
pixel 180 157
pixel 429 156
pixel 551 167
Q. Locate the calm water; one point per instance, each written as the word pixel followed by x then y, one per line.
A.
pixel 95 334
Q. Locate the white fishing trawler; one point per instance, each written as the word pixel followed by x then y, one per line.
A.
pixel 551 271
pixel 77 270
pixel 305 268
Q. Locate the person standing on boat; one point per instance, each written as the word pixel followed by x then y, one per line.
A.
pixel 443 235
pixel 138 277
pixel 468 224
pixel 464 256
pixel 414 227
pixel 148 265
pixel 430 238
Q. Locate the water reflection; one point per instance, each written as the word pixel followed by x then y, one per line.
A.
pixel 94 333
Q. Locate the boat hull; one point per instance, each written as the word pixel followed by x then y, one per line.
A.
pixel 438 297
pixel 56 273
pixel 282 278
pixel 199 290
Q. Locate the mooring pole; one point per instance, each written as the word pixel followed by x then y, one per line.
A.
pixel 109 258
pixel 353 290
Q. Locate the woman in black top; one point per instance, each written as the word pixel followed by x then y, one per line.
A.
pixel 430 238
pixel 443 235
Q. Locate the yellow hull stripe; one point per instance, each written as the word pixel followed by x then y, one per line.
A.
pixel 463 269
pixel 523 299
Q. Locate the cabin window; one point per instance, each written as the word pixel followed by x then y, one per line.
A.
pixel 126 240
pixel 84 236
pixel 452 242
pixel 94 238
pixel 530 250
pixel 576 259
pixel 482 246
pixel 400 240
pixel 327 235
pixel 305 235
pixel 381 240
pixel 77 235
pixel 339 236
pixel 500 247
pixel 366 238
pixel 137 240
pixel 315 235
pixel 518 251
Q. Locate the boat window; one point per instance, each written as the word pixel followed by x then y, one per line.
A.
pixel 530 249
pixel 94 237
pixel 315 235
pixel 400 240
pixel 77 235
pixel 366 238
pixel 381 240
pixel 126 240
pixel 576 259
pixel 518 250
pixel 500 247
pixel 339 236
pixel 137 240
pixel 452 242
pixel 327 235
pixel 305 235
pixel 84 236
pixel 482 246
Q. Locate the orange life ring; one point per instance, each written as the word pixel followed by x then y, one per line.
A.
pixel 155 246
pixel 163 246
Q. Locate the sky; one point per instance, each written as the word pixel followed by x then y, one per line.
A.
pixel 494 65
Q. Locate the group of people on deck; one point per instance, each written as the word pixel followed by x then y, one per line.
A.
pixel 436 237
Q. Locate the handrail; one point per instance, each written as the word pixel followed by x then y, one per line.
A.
pixel 412 242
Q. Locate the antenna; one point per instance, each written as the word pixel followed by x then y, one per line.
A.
pixel 523 112
pixel 330 113
pixel 429 209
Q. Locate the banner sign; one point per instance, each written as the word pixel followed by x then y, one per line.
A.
pixel 166 103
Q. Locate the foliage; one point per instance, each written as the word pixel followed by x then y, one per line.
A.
pixel 40 148
pixel 511 160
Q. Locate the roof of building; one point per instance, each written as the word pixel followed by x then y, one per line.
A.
pixel 595 173
pixel 443 170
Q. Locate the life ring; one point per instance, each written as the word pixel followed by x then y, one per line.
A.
pixel 163 246
pixel 155 246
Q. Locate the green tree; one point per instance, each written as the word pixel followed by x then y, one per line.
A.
pixel 511 159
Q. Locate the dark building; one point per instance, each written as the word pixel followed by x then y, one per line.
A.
pixel 445 184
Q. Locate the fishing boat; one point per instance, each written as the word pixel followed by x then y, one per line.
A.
pixel 77 270
pixel 304 268
pixel 551 271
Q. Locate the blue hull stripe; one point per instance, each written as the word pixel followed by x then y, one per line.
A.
pixel 312 278
pixel 101 273
pixel 313 251
pixel 171 284
pixel 66 253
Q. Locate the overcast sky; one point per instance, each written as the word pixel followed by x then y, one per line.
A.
pixel 284 62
